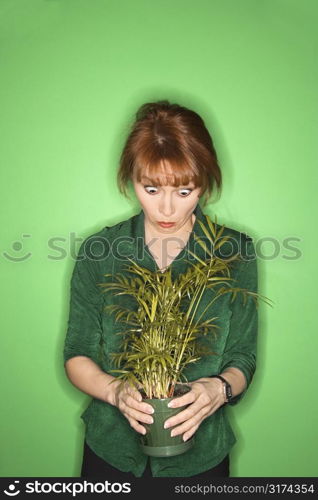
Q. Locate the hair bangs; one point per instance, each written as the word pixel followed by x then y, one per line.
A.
pixel 165 172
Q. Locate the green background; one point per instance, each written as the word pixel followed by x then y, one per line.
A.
pixel 73 73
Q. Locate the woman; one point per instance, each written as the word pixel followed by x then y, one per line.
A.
pixel 170 160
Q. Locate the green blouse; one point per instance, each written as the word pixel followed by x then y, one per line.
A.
pixel 93 333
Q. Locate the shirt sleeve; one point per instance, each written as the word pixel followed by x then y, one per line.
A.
pixel 240 348
pixel 84 328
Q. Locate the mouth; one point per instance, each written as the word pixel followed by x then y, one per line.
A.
pixel 166 224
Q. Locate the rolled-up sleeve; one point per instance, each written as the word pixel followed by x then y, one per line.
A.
pixel 241 345
pixel 84 327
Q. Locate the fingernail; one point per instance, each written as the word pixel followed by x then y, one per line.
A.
pixel 166 426
pixel 170 405
pixel 150 420
pixel 172 434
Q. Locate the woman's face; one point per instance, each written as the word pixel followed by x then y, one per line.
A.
pixel 167 204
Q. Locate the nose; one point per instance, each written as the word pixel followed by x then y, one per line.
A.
pixel 166 206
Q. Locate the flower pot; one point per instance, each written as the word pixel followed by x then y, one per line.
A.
pixel 158 442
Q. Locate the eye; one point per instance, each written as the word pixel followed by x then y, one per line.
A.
pixel 182 192
pixel 150 189
pixel 185 192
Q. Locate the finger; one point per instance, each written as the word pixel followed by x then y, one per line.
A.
pixel 189 412
pixel 188 435
pixel 184 419
pixel 194 422
pixel 145 407
pixel 199 410
pixel 188 425
pixel 137 426
pixel 179 401
pixel 196 390
pixel 197 393
pixel 133 392
pixel 131 402
pixel 137 415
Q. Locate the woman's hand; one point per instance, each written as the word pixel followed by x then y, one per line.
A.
pixel 205 397
pixel 129 402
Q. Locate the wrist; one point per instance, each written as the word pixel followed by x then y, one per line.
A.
pixel 110 390
pixel 226 388
pixel 217 386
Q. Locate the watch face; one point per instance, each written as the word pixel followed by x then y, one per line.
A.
pixel 228 392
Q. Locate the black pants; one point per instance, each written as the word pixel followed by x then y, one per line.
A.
pixel 94 466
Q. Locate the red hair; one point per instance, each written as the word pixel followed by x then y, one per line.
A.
pixel 171 140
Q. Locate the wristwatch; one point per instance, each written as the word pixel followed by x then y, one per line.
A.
pixel 227 388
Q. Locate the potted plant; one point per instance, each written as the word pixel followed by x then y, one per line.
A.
pixel 164 333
